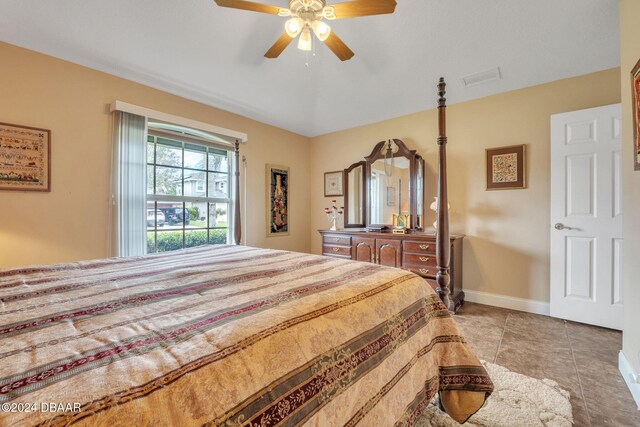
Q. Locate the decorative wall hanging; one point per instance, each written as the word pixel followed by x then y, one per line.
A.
pixel 333 184
pixel 635 99
pixel 277 200
pixel 25 158
pixel 391 196
pixel 506 167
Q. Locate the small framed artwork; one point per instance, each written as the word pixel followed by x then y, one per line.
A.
pixel 277 200
pixel 506 167
pixel 25 164
pixel 333 183
pixel 391 196
pixel 635 99
pixel 401 220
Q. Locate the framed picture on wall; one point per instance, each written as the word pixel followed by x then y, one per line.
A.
pixel 25 164
pixel 506 167
pixel 635 100
pixel 391 196
pixel 333 183
pixel 277 200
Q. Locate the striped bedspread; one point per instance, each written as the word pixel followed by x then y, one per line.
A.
pixel 228 336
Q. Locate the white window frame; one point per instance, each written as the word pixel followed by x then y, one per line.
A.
pixel 229 201
pixel 122 230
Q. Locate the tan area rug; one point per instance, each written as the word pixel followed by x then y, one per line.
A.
pixel 517 400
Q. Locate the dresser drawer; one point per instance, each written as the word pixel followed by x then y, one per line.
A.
pixel 414 252
pixel 429 272
pixel 418 260
pixel 332 239
pixel 341 251
pixel 421 247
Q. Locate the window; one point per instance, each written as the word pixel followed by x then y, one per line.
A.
pixel 188 202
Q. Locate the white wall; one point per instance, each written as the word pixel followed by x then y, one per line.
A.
pixel 630 51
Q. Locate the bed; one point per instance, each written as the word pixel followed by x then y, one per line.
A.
pixel 229 335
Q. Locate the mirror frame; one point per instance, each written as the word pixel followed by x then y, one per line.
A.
pixel 419 163
pixel 364 203
pixel 413 157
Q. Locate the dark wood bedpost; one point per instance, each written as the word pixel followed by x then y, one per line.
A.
pixel 443 243
pixel 237 223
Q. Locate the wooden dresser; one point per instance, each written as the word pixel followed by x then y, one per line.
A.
pixel 415 252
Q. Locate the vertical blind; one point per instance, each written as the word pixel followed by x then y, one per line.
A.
pixel 129 184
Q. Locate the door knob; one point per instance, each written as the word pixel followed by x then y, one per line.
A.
pixel 561 226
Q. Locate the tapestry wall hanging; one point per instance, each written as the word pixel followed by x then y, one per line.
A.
pixel 506 168
pixel 25 158
pixel 635 99
pixel 277 200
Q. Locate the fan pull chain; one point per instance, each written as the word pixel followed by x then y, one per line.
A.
pixel 313 46
pixel 313 52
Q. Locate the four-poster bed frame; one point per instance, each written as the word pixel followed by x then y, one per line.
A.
pixel 151 336
pixel 443 248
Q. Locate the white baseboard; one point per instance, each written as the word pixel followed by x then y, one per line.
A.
pixel 520 304
pixel 627 374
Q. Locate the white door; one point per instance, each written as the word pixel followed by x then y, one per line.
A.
pixel 586 216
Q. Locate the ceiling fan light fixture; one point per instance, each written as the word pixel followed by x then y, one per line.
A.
pixel 306 15
pixel 304 43
pixel 329 12
pixel 293 27
pixel 321 30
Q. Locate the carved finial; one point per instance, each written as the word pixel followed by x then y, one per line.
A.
pixel 441 92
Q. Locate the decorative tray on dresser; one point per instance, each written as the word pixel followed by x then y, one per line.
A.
pixel 415 251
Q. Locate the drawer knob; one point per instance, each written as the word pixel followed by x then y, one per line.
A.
pixel 336 239
pixel 424 259
pixel 424 247
pixel 424 271
pixel 336 249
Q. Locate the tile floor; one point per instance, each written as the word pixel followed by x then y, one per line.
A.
pixel 583 359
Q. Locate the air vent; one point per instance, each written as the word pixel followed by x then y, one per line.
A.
pixel 482 77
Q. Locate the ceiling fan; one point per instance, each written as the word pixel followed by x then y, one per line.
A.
pixel 307 15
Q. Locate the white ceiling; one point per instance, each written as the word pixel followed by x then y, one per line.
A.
pixel 214 55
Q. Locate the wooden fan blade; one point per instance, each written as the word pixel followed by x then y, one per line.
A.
pixel 279 46
pixel 353 9
pixel 249 5
pixel 338 47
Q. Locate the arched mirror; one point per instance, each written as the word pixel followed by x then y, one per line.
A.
pixel 395 188
pixel 355 196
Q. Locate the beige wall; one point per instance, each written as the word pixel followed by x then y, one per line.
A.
pixel 630 54
pixel 506 251
pixel 71 222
